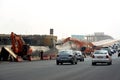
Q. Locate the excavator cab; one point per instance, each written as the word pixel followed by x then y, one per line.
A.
pixel 25 48
pixel 83 49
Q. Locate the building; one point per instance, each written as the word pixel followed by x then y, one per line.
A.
pixel 79 37
pixel 35 40
pixel 98 36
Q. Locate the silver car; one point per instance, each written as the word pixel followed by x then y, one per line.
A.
pixel 101 56
pixel 66 56
pixel 80 56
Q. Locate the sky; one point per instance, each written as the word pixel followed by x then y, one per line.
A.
pixel 66 17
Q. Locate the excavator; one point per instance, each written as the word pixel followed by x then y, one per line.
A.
pixel 20 48
pixel 84 46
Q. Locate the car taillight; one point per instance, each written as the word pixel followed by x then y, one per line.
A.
pixel 93 56
pixel 107 56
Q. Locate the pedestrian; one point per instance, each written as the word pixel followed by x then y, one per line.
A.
pixel 41 54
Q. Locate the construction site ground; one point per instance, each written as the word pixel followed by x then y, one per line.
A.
pixel 49 54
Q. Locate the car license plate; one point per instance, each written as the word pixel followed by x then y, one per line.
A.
pixel 100 57
pixel 63 59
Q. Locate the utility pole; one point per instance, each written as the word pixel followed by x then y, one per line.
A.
pixel 52 38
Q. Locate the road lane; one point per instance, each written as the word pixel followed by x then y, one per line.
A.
pixel 48 70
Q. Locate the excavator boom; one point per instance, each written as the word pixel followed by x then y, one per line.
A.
pixel 85 46
pixel 19 46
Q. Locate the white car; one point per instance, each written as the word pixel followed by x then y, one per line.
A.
pixel 101 56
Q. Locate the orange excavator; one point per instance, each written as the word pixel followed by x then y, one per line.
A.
pixel 20 48
pixel 84 46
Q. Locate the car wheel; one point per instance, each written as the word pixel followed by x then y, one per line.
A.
pixel 76 62
pixel 57 63
pixel 119 55
pixel 109 63
pixel 80 60
pixel 83 59
pixel 93 63
pixel 73 62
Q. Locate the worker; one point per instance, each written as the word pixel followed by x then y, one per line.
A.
pixel 41 54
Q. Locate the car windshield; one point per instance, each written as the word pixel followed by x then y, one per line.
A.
pixel 100 52
pixel 79 53
pixel 64 52
pixel 105 48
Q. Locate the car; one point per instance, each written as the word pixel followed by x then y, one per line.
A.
pixel 118 52
pixel 101 56
pixel 108 49
pixel 80 56
pixel 66 56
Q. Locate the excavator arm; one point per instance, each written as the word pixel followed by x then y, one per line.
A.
pixel 86 47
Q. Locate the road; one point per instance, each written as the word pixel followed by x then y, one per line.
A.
pixel 48 70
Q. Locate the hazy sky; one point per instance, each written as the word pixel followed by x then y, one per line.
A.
pixel 66 17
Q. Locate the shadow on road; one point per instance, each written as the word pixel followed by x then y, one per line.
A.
pixel 101 64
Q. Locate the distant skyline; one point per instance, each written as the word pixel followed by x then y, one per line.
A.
pixel 66 17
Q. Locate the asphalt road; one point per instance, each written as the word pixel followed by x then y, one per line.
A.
pixel 48 70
